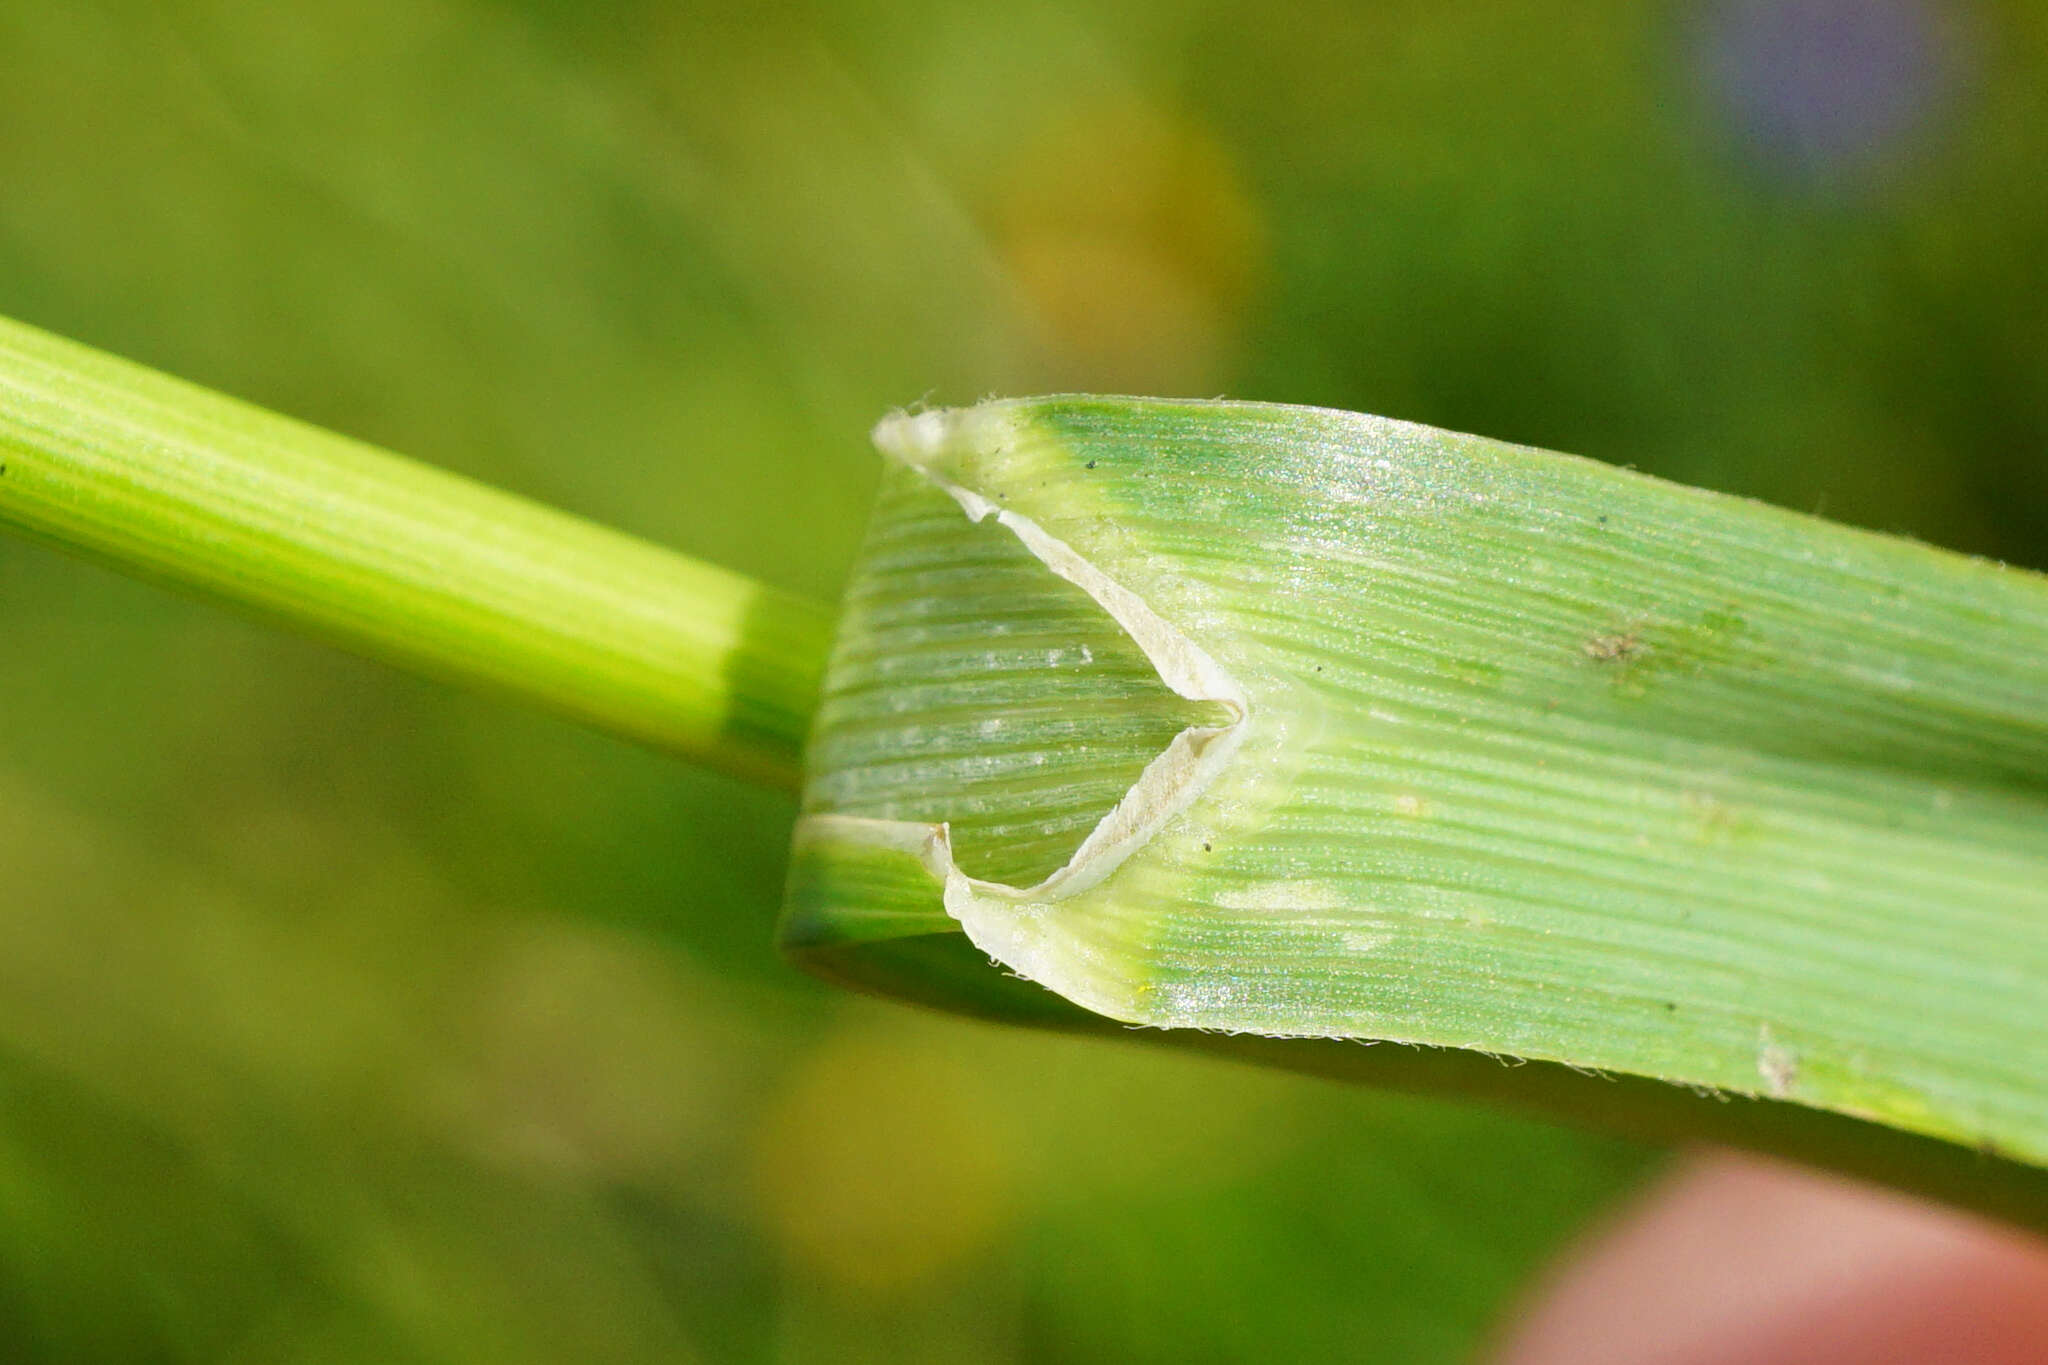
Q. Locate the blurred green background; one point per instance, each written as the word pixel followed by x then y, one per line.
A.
pixel 345 1017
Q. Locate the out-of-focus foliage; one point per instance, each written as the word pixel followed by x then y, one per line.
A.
pixel 342 1016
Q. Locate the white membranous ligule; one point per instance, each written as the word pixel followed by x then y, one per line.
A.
pixel 1014 924
pixel 1173 779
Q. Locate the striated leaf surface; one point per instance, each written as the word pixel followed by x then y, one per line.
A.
pixel 1271 721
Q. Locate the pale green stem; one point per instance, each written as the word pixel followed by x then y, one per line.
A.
pixel 404 562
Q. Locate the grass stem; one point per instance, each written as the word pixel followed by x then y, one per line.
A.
pixel 402 561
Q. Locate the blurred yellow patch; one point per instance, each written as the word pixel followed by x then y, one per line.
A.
pixel 883 1162
pixel 1135 246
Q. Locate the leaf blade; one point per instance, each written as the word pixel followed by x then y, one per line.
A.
pixel 1545 759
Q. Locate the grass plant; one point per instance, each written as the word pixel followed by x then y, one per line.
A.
pixel 1272 730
